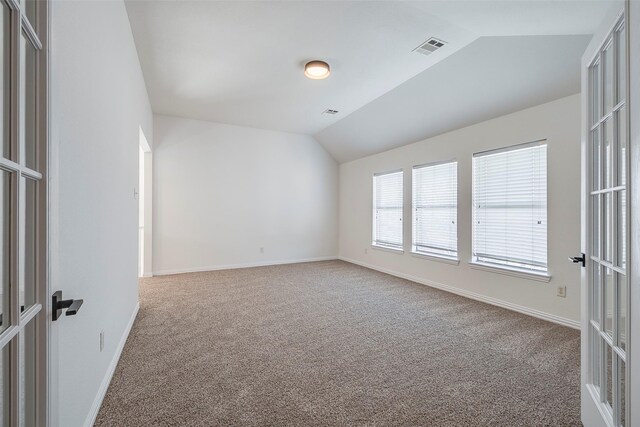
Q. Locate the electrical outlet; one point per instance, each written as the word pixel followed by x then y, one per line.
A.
pixel 261 250
pixel 101 341
pixel 562 291
pixel 366 251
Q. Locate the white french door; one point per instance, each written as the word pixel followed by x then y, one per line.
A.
pixel 23 293
pixel 605 299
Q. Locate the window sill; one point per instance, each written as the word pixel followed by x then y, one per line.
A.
pixel 540 277
pixel 386 249
pixel 431 257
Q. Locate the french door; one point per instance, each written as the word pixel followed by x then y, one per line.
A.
pixel 23 325
pixel 606 286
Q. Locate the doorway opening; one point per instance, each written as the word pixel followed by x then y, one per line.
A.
pixel 144 207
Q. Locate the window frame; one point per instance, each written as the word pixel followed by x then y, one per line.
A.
pixel 539 275
pixel 374 243
pixel 452 259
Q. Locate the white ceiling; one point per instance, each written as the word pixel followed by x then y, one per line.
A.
pixel 520 17
pixel 491 77
pixel 241 62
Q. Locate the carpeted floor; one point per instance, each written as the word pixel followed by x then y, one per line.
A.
pixel 334 344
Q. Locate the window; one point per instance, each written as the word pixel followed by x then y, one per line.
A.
pixel 435 210
pixel 387 210
pixel 510 207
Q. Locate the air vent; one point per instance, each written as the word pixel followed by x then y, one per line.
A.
pixel 430 46
pixel 332 112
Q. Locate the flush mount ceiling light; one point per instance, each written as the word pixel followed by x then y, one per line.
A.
pixel 317 70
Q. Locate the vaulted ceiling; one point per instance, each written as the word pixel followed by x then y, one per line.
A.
pixel 241 62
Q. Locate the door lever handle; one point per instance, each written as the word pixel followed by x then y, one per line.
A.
pixel 578 259
pixel 58 304
pixel 74 307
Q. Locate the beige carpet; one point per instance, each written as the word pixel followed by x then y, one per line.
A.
pixel 331 343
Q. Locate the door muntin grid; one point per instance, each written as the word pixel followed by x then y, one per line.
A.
pixel 22 163
pixel 607 226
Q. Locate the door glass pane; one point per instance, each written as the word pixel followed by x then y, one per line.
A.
pixel 595 93
pixel 28 102
pixel 608 364
pixel 596 360
pixel 595 157
pixel 607 133
pixel 621 43
pixel 622 389
pixel 622 146
pixel 5 376
pixel 622 310
pixel 607 58
pixel 28 376
pixel 607 229
pixel 596 210
pixel 596 286
pixel 621 226
pixel 5 242
pixel 5 95
pixel 608 301
pixel 27 295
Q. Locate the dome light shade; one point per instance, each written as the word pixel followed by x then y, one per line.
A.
pixel 317 70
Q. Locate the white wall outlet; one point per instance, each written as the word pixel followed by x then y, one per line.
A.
pixel 135 193
pixel 261 250
pixel 101 341
pixel 562 291
pixel 366 251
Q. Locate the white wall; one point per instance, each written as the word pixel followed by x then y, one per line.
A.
pixel 99 100
pixel 559 123
pixel 223 192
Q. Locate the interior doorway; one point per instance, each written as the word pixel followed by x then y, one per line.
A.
pixel 144 206
pixel 141 214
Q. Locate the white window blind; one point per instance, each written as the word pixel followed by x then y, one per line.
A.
pixel 510 207
pixel 435 209
pixel 387 210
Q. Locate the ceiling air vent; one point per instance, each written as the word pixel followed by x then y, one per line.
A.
pixel 332 112
pixel 429 46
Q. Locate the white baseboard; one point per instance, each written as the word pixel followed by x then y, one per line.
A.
pixel 244 265
pixel 475 296
pixel 93 413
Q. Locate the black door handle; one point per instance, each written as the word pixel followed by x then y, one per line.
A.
pixel 74 307
pixel 58 304
pixel 578 259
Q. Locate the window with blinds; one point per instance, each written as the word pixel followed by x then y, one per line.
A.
pixel 510 207
pixel 435 209
pixel 387 210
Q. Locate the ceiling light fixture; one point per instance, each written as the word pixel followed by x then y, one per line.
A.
pixel 317 70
